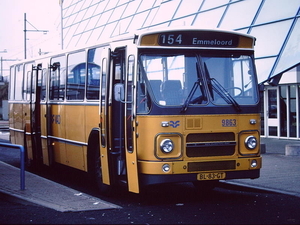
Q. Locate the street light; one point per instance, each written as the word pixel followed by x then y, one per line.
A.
pixel 25 38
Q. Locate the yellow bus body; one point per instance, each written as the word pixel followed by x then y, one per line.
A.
pixel 95 109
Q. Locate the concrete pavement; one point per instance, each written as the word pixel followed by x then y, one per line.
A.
pixel 280 173
pixel 47 193
pixel 44 192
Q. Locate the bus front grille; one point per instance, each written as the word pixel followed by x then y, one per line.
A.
pixel 210 144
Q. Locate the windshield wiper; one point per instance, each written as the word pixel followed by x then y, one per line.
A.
pixel 200 74
pixel 212 84
pixel 191 94
pixel 220 90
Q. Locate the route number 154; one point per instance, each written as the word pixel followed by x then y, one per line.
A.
pixel 171 39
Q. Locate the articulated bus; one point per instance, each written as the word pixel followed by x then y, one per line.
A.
pixel 164 106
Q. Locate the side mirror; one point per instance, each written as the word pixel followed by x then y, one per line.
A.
pixel 261 88
pixel 119 92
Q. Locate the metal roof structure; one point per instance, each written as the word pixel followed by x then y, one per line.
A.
pixel 275 24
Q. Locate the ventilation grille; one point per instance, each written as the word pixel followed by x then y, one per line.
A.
pixel 210 144
pixel 193 123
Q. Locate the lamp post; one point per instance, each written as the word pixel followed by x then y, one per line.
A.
pixel 25 38
pixel 61 2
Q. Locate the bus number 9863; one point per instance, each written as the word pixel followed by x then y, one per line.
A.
pixel 229 123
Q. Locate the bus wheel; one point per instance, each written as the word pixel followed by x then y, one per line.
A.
pixel 103 188
pixel 205 186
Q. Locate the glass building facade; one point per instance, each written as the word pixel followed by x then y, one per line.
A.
pixel 274 23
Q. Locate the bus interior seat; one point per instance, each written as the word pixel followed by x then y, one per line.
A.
pixel 172 92
pixel 156 88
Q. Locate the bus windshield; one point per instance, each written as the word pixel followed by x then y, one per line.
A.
pixel 200 79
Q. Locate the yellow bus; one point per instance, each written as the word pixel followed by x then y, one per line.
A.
pixel 163 106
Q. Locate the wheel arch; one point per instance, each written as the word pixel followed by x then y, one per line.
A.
pixel 93 145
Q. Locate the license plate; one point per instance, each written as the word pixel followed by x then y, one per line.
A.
pixel 211 176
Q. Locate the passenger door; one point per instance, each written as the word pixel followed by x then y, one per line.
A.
pixel 130 136
pixel 122 118
pixel 35 114
pixel 105 102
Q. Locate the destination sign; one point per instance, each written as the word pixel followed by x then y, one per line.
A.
pixel 199 39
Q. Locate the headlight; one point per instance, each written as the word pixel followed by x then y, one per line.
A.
pixel 166 146
pixel 251 142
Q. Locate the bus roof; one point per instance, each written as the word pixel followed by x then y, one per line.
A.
pixel 186 37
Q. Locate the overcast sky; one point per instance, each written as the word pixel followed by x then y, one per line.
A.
pixel 42 14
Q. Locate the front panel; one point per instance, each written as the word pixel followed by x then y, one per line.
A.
pixel 203 143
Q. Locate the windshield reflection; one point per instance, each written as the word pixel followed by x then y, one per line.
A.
pixel 190 79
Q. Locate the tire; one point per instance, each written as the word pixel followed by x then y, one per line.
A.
pixel 96 168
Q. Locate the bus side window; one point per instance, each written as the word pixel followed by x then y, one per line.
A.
pixel 42 82
pixel 12 83
pixel 19 80
pixel 76 76
pixel 93 74
pixel 57 79
pixel 27 85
